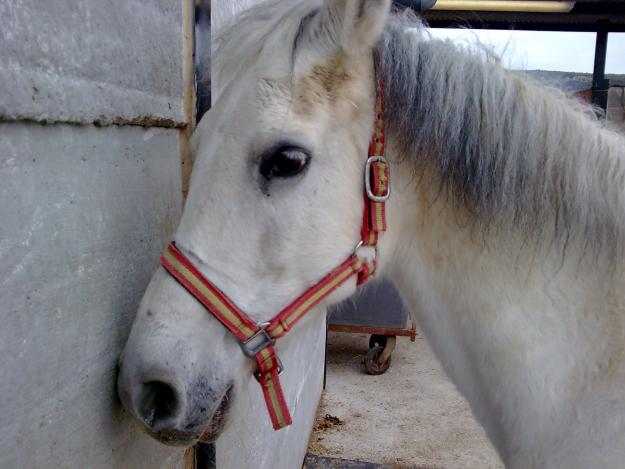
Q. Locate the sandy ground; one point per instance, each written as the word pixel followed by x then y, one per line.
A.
pixel 410 416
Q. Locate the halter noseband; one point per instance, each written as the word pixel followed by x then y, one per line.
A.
pixel 258 340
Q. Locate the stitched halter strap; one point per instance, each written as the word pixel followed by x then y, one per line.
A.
pixel 258 340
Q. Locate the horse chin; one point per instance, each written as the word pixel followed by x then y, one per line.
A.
pixel 173 437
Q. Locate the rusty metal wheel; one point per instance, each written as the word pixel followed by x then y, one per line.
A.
pixel 372 361
pixel 377 340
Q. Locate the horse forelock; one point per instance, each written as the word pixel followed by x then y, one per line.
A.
pixel 240 43
pixel 510 151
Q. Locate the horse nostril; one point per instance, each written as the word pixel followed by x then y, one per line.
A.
pixel 158 403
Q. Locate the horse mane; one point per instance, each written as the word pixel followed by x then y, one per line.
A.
pixel 513 152
pixel 239 42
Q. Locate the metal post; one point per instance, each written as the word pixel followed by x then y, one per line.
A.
pixel 203 56
pixel 205 456
pixel 600 85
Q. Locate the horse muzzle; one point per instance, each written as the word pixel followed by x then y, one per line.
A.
pixel 170 413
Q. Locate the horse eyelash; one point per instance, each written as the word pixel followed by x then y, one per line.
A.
pixel 279 148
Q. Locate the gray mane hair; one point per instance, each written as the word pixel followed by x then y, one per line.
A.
pixel 513 152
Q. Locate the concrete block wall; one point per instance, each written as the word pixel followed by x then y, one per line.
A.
pixel 102 62
pixel 85 214
pixel 93 126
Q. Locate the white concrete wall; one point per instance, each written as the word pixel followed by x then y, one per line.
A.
pixel 252 443
pixel 86 208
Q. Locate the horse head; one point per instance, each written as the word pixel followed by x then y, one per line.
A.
pixel 275 202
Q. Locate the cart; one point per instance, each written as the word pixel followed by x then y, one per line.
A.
pixel 377 310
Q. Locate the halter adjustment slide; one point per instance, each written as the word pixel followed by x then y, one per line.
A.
pixel 257 342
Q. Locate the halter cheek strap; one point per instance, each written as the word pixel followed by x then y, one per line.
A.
pixel 377 184
pixel 258 340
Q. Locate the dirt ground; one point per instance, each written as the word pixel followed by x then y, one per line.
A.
pixel 411 416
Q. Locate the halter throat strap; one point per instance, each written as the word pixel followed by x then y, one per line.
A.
pixel 258 340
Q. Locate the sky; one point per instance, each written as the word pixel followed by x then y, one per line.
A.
pixel 545 50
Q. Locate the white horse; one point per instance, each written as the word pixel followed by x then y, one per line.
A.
pixel 506 227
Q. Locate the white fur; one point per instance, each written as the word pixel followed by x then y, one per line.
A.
pixel 531 334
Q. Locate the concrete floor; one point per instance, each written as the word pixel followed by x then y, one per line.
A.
pixel 411 416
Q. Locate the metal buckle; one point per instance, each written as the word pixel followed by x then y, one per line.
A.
pixel 361 244
pixel 250 348
pixel 258 375
pixel 370 194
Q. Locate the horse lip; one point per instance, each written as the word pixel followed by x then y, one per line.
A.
pixel 173 437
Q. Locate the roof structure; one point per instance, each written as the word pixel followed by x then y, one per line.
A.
pixel 585 15
pixel 600 16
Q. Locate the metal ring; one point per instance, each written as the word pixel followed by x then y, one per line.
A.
pixel 361 243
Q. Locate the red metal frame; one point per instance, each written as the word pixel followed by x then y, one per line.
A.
pixel 390 331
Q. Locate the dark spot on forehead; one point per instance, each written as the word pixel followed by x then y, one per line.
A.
pixel 324 82
pixel 330 76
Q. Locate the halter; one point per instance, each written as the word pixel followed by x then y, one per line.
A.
pixel 257 340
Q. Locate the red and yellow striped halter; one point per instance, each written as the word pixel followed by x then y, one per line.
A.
pixel 258 340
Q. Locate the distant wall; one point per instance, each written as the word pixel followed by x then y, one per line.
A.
pixel 616 107
pixel 252 443
pixel 93 113
pixel 615 111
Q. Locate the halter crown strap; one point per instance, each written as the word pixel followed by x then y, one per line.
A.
pixel 258 340
pixel 377 182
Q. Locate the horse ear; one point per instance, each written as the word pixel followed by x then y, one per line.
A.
pixel 358 24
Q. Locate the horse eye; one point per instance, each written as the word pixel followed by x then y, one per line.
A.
pixel 284 162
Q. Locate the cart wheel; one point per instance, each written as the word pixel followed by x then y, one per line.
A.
pixel 372 366
pixel 377 339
